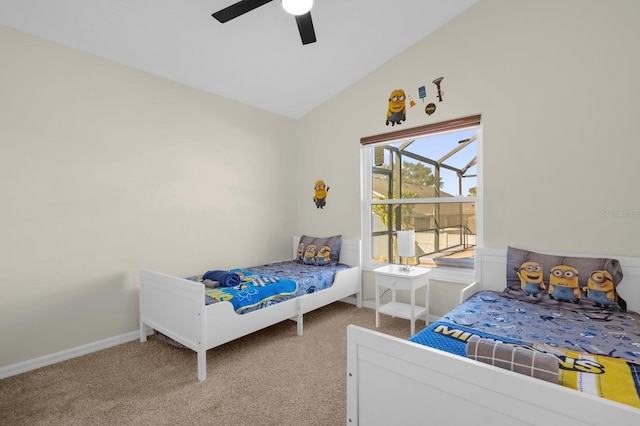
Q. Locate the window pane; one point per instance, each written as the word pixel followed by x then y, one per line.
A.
pixel 433 166
pixel 445 232
pixel 380 249
pixel 437 166
pixel 380 186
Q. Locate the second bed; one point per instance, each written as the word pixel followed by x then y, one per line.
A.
pixel 181 309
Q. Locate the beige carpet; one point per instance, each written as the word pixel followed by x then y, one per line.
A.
pixel 271 377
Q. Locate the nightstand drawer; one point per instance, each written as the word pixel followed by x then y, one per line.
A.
pixel 397 283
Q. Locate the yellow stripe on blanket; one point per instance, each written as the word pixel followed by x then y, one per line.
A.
pixel 600 375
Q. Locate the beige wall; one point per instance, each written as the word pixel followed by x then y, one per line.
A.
pixel 557 85
pixel 106 169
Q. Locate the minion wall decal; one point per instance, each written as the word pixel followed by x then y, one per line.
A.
pixel 430 108
pixel 320 194
pixel 438 83
pixel 422 92
pixel 397 110
pixel 398 100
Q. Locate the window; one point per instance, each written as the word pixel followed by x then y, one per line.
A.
pixel 425 179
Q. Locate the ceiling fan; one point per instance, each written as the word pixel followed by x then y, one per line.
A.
pixel 300 9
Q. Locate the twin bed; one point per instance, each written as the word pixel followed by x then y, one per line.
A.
pixel 570 329
pixel 546 331
pixel 183 309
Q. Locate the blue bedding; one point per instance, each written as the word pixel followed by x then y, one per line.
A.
pixel 489 314
pixel 265 285
pixel 225 278
pixel 598 352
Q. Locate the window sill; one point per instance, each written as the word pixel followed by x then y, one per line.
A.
pixel 455 275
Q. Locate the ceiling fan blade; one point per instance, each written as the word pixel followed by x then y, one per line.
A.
pixel 305 26
pixel 237 9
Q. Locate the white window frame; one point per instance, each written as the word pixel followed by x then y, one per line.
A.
pixel 366 159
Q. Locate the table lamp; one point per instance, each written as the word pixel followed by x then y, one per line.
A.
pixel 406 247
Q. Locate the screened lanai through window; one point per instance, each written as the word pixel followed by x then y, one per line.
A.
pixel 427 183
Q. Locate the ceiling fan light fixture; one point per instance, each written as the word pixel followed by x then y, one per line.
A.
pixel 297 7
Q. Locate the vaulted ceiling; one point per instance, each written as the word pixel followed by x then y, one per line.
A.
pixel 257 58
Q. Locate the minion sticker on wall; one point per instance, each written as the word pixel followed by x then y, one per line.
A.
pixel 320 194
pixel 396 110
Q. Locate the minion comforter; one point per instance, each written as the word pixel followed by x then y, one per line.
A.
pixel 264 285
pixel 598 352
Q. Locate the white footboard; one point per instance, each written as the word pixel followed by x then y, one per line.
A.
pixel 172 306
pixel 394 381
pixel 176 307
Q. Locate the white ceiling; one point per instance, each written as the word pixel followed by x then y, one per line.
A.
pixel 256 59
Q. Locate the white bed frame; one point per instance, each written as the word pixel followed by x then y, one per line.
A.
pixel 395 381
pixel 176 307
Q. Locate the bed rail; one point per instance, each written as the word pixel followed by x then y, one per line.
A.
pixel 394 381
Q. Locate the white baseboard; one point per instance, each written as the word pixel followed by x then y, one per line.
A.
pixel 350 300
pixel 43 361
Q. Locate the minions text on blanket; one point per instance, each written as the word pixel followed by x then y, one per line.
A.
pixel 598 356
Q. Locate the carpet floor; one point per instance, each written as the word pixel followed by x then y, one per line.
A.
pixel 271 377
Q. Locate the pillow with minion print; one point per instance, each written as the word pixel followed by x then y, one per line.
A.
pixel 584 283
pixel 319 251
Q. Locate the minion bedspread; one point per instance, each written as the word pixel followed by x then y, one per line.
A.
pixel 265 285
pixel 599 352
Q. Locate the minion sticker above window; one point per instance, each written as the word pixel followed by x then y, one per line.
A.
pixel 320 195
pixel 397 110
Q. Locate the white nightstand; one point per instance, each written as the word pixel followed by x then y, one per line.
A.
pixel 394 278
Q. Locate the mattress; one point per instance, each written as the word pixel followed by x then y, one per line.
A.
pixel 265 285
pixel 598 352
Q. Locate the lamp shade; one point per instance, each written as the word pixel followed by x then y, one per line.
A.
pixel 297 7
pixel 406 243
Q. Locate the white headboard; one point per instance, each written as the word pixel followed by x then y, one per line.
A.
pixel 491 272
pixel 349 252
